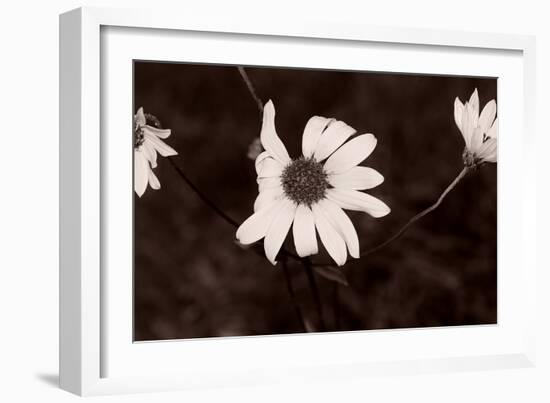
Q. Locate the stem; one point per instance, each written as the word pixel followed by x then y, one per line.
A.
pixel 206 200
pixel 202 196
pixel 423 213
pixel 252 90
pixel 292 295
pixel 219 211
pixel 313 286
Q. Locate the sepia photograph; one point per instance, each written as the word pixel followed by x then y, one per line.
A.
pixel 277 200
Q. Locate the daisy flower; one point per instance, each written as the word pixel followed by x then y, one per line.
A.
pixel 309 193
pixel 147 142
pixel 480 131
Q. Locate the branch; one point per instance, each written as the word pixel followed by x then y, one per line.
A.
pixel 417 217
pixel 252 90
pixel 256 248
pixel 202 196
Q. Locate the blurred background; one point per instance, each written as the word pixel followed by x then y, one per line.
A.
pixel 192 280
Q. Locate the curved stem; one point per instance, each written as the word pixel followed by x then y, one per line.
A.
pixel 218 210
pixel 201 195
pixel 292 294
pixel 252 90
pixel 417 217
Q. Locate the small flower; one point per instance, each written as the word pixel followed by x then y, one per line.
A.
pixel 309 193
pixel 147 142
pixel 480 132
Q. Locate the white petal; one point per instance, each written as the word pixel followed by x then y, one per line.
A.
pixel 477 140
pixel 350 154
pixel 459 110
pixel 333 137
pixel 358 201
pixel 269 168
pixel 493 131
pixel 278 229
pixel 255 227
pixel 140 117
pixel 358 178
pixel 150 153
pixel 164 149
pixel 141 173
pixel 487 116
pixel 268 183
pixel 488 151
pixel 312 133
pixel 267 196
pixel 342 223
pixel 332 240
pixel 467 126
pixel 161 133
pixel 474 104
pixel 303 231
pixel 270 140
pixel 260 160
pixel 153 180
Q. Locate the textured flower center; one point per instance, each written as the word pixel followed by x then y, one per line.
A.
pixel 139 137
pixel 304 181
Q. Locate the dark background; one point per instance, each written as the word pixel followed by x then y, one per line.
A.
pixel 192 280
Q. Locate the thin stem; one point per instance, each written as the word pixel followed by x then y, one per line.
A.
pixel 252 90
pixel 292 295
pixel 219 211
pixel 417 217
pixel 202 196
pixel 313 286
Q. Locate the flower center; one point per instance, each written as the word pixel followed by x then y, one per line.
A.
pixel 139 137
pixel 304 181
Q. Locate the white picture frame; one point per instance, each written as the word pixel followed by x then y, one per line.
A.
pixel 90 343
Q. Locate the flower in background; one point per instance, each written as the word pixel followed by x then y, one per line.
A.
pixel 147 142
pixel 309 193
pixel 480 131
pixel 254 149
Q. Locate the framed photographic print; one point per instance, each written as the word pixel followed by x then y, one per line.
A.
pixel 290 201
